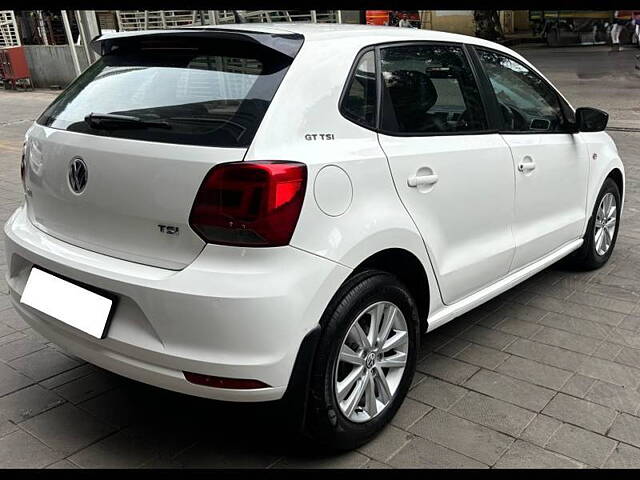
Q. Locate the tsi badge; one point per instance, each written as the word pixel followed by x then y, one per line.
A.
pixel 169 229
pixel 319 136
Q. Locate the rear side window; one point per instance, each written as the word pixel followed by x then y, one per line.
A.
pixel 359 103
pixel 526 101
pixel 429 89
pixel 211 94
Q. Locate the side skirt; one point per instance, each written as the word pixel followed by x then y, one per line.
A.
pixel 450 312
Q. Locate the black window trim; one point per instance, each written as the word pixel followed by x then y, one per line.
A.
pixel 496 120
pixel 478 78
pixel 483 98
pixel 347 85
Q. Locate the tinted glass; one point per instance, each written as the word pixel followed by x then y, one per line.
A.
pixel 212 95
pixel 527 102
pixel 359 104
pixel 429 89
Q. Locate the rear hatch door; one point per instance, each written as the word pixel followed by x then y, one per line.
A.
pixel 114 164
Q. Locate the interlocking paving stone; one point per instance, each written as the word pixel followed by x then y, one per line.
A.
pixel 522 312
pixel 578 385
pixel 463 436
pixel 527 455
pixel 580 412
pixel 482 356
pixel 624 337
pixel 610 372
pixel 10 317
pixel 134 446
pixel 67 376
pixel 626 428
pixel 576 325
pixel 88 386
pixel 517 327
pixel 608 351
pixel 493 413
pixel 409 413
pixel 629 356
pixel 614 396
pixel 28 402
pixel 510 389
pixel 603 302
pixel 582 445
pixel 386 444
pixel 488 337
pixel 250 460
pixel 624 456
pixel 422 453
pixel 568 340
pixel 437 393
pixel 19 348
pixel 66 428
pixel 452 348
pixel 43 364
pixel 62 464
pixel 21 450
pixel 446 368
pixel 11 380
pixel 547 354
pixel 534 372
pixel 540 430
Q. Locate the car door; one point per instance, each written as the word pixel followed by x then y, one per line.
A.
pixel 454 176
pixel 551 163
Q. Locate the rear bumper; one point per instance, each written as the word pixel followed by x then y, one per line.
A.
pixel 234 312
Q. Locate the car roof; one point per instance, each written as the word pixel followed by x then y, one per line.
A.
pixel 362 34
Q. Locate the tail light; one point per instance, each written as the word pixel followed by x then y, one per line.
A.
pixel 255 204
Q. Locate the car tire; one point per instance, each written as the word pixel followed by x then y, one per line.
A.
pixel 592 255
pixel 328 423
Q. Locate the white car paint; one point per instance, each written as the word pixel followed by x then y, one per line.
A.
pixel 242 312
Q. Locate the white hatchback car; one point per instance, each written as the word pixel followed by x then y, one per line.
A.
pixel 258 213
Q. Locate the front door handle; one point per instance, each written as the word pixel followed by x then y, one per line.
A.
pixel 526 165
pixel 422 180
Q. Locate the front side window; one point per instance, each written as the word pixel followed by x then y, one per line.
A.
pixel 429 89
pixel 359 103
pixel 526 101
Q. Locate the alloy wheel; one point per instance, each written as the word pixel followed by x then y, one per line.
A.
pixel 605 226
pixel 371 361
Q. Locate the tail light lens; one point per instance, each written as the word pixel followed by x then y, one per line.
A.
pixel 255 204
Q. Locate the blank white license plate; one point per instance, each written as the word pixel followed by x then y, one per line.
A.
pixel 67 302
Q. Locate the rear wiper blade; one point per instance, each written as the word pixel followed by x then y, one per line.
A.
pixel 111 120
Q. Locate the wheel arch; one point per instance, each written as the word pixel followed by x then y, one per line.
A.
pixel 408 269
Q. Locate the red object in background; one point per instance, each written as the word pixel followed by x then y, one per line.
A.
pixel 377 17
pixel 13 65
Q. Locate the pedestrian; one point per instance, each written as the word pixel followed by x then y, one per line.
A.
pixel 620 20
pixel 636 21
pixel 404 21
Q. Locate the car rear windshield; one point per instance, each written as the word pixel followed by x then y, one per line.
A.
pixel 209 93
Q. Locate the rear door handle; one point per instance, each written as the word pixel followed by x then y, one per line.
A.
pixel 422 180
pixel 526 165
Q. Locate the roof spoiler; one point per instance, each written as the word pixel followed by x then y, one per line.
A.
pixel 285 43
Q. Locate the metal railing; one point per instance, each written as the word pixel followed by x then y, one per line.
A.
pixel 162 19
pixel 9 36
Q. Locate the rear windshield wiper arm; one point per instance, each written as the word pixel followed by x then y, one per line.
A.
pixel 111 120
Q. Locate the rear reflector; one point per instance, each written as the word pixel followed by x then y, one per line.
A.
pixel 253 204
pixel 221 382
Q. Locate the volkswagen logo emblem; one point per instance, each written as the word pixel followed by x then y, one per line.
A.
pixel 78 175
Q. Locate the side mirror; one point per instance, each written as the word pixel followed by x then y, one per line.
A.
pixel 591 119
